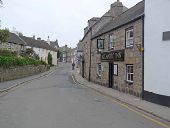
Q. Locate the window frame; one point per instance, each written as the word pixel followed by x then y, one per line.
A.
pixel 112 41
pixel 9 46
pixel 128 39
pixel 114 70
pixel 130 73
pixel 99 72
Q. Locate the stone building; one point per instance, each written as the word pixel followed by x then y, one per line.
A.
pixel 66 54
pixel 14 43
pixel 117 63
pixel 94 25
pixel 120 30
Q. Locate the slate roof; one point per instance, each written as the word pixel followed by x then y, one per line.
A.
pixel 13 38
pixel 130 15
pixel 54 43
pixel 37 43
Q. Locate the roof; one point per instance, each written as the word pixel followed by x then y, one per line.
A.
pixel 13 38
pixel 54 43
pixel 130 15
pixel 37 43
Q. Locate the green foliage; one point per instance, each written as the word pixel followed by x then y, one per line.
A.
pixel 10 61
pixel 29 51
pixel 4 35
pixel 50 59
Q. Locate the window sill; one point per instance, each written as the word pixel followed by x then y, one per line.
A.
pixel 129 47
pixel 129 82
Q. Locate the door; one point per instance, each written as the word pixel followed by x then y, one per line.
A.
pixel 110 75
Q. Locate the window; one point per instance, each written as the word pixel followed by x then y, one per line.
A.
pixel 99 69
pixel 9 46
pixel 129 73
pixel 22 47
pixel 112 40
pixel 115 69
pixel 129 38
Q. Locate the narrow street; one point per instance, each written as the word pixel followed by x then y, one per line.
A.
pixel 55 101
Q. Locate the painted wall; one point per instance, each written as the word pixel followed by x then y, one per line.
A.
pixel 157 51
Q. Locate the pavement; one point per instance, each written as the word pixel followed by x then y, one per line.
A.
pixel 56 100
pixel 148 107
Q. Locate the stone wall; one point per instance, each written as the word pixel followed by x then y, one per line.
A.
pixel 132 56
pixel 19 72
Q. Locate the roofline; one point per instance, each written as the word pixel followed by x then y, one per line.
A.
pixel 133 20
pixel 94 25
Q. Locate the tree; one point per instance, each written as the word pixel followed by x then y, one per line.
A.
pixel 50 59
pixel 4 35
pixel 1 3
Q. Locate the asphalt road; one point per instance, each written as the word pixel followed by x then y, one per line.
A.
pixel 56 102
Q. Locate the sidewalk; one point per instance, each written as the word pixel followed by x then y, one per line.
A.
pixel 12 83
pixel 154 109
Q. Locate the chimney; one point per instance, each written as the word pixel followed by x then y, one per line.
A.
pixel 39 39
pixel 48 40
pixel 116 8
pixel 92 21
pixel 33 37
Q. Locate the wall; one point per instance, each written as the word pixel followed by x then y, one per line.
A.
pixel 54 56
pixel 157 51
pixel 132 56
pixel 19 72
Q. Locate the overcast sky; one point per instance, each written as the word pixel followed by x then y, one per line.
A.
pixel 60 19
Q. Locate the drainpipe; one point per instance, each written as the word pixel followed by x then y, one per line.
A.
pixel 90 54
pixel 143 32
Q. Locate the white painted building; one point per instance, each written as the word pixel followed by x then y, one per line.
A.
pixel 157 51
pixel 41 48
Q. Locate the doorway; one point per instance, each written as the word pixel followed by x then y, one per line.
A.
pixel 110 75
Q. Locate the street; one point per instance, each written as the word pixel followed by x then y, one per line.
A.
pixel 55 101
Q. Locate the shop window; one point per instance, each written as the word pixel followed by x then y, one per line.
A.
pixel 115 69
pixel 129 38
pixel 129 73
pixel 99 70
pixel 112 41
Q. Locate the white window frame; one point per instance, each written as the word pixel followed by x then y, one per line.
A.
pixel 129 39
pixel 112 41
pixel 115 69
pixel 130 73
pixel 99 69
pixel 22 47
pixel 9 46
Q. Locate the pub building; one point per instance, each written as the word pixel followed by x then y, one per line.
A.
pixel 117 53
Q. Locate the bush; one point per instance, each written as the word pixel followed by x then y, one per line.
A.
pixel 10 61
pixel 50 59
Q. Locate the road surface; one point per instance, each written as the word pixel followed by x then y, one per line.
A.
pixel 56 102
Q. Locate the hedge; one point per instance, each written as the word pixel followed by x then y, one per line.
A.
pixel 10 61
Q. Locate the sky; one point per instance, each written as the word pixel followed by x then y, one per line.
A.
pixel 64 20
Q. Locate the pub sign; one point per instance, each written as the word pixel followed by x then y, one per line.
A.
pixel 100 43
pixel 118 55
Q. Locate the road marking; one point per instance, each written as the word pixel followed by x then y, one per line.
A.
pixel 127 107
pixel 135 111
